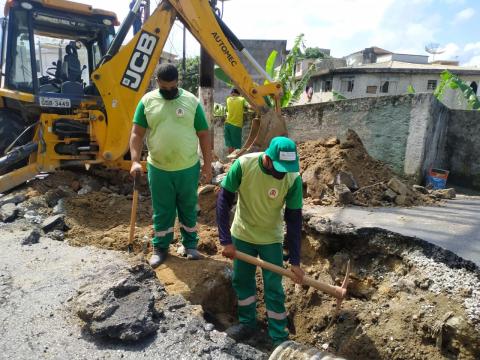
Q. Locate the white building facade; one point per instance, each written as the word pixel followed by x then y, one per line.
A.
pixel 389 78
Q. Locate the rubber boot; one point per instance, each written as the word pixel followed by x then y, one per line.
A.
pixel 158 257
pixel 240 332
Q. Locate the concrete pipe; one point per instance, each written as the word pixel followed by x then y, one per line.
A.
pixel 290 350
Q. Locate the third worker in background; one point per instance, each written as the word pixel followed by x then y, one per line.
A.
pixel 236 105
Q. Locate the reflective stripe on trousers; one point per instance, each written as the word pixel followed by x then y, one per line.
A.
pixel 163 233
pixel 276 316
pixel 188 229
pixel 249 300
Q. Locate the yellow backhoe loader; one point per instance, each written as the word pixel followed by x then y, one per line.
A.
pixel 69 88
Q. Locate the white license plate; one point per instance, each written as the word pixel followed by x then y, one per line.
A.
pixel 55 102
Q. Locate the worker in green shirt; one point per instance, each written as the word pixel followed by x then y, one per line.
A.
pixel 233 124
pixel 173 121
pixel 269 191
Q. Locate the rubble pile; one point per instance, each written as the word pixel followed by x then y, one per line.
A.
pixel 342 173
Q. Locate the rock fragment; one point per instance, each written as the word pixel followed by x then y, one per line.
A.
pixel 420 189
pixel 31 237
pixel 8 212
pixel 12 199
pixel 343 194
pixel 445 193
pixel 397 186
pixel 346 177
pixel 56 222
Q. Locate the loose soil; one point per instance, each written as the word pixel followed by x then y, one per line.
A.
pixel 321 161
pixel 389 313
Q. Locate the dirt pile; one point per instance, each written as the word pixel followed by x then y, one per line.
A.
pixel 332 169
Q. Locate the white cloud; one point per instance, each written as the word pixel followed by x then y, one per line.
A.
pixel 464 15
pixel 474 61
pixel 451 51
pixel 475 47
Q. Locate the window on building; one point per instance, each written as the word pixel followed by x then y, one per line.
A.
pixel 327 86
pixel 384 87
pixel 388 87
pixel 431 84
pixel 347 85
pixel 474 87
pixel 317 86
pixel 298 67
pixel 372 89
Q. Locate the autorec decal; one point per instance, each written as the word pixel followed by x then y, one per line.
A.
pixel 138 63
pixel 224 48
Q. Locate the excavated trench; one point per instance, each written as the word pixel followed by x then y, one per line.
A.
pixel 407 299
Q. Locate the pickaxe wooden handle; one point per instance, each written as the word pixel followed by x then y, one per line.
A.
pixel 133 214
pixel 338 292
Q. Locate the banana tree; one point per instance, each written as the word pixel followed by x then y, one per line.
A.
pixel 449 80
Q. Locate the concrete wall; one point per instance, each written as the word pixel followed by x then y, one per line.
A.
pixel 391 128
pixel 426 137
pixel 462 156
pixel 386 125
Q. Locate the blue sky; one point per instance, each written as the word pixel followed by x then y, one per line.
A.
pixel 345 26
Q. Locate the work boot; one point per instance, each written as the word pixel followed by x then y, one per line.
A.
pixel 240 332
pixel 190 254
pixel 193 254
pixel 158 257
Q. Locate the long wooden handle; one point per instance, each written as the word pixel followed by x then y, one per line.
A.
pixel 133 214
pixel 335 291
pixel 133 217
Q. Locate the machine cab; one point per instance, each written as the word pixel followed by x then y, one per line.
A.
pixel 51 47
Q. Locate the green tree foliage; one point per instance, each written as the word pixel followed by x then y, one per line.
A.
pixel 338 96
pixel 219 110
pixel 192 74
pixel 449 80
pixel 410 89
pixel 314 53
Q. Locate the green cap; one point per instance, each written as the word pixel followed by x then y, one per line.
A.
pixel 283 153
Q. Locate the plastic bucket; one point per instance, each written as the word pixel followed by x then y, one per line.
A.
pixel 437 178
pixel 291 350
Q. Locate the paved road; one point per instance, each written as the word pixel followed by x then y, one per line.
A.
pixel 455 226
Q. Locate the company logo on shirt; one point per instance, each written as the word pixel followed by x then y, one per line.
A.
pixel 180 112
pixel 273 193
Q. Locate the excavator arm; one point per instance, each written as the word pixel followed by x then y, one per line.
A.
pixel 98 132
pixel 124 77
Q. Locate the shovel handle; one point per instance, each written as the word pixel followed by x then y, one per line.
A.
pixel 335 291
pixel 133 214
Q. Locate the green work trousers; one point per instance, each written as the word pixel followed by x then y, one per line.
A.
pixel 233 136
pixel 174 192
pixel 244 283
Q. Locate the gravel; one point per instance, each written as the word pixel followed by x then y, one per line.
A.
pixel 456 282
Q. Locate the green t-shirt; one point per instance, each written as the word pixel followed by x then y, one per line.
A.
pixel 261 198
pixel 172 127
pixel 235 107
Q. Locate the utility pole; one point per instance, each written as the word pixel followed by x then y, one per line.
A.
pixel 184 60
pixel 205 90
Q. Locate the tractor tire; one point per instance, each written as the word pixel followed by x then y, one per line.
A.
pixel 11 126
